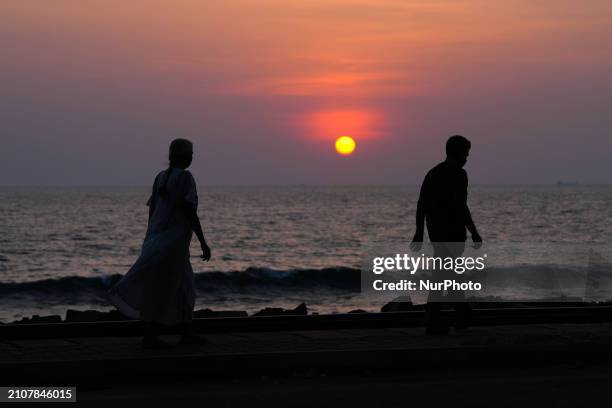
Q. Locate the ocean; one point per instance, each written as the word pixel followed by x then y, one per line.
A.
pixel 62 248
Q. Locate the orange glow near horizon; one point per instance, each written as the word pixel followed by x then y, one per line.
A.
pixel 331 123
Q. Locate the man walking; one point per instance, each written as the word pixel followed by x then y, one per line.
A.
pixel 443 206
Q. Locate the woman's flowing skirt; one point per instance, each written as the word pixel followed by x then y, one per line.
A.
pixel 160 286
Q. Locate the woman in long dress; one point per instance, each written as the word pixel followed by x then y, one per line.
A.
pixel 159 288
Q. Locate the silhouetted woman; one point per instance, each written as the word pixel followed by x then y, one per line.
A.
pixel 159 288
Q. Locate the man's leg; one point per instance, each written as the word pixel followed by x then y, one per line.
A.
pixel 456 298
pixel 434 322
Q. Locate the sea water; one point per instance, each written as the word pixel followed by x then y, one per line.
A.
pixel 62 248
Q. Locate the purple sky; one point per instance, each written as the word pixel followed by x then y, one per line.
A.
pixel 92 92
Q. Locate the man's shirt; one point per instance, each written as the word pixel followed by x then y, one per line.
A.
pixel 443 200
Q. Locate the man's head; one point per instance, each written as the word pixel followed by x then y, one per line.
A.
pixel 458 149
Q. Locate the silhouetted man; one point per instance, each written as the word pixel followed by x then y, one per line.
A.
pixel 443 206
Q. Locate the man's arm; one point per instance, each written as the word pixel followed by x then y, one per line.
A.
pixel 421 213
pixel 476 238
pixel 469 222
pixel 420 217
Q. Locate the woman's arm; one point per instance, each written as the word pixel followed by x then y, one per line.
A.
pixel 190 206
pixel 152 199
pixel 194 220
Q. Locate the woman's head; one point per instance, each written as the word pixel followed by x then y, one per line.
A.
pixel 181 153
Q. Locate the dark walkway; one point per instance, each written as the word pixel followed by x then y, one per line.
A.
pixel 96 360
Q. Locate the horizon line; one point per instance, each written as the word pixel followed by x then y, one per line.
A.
pixel 557 183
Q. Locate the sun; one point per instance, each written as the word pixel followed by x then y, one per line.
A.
pixel 345 145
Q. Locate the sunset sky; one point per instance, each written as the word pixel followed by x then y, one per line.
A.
pixel 92 91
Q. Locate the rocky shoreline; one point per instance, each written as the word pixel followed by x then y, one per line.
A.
pixel 79 316
pixel 399 305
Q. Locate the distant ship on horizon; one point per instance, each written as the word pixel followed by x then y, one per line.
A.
pixel 567 183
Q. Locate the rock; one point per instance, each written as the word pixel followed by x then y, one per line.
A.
pixel 358 311
pixel 46 319
pixel 400 304
pixel 82 315
pixel 115 315
pixel 271 311
pixel 300 310
pixel 74 316
pixel 206 313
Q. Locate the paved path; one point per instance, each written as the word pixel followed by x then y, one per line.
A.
pixel 90 360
